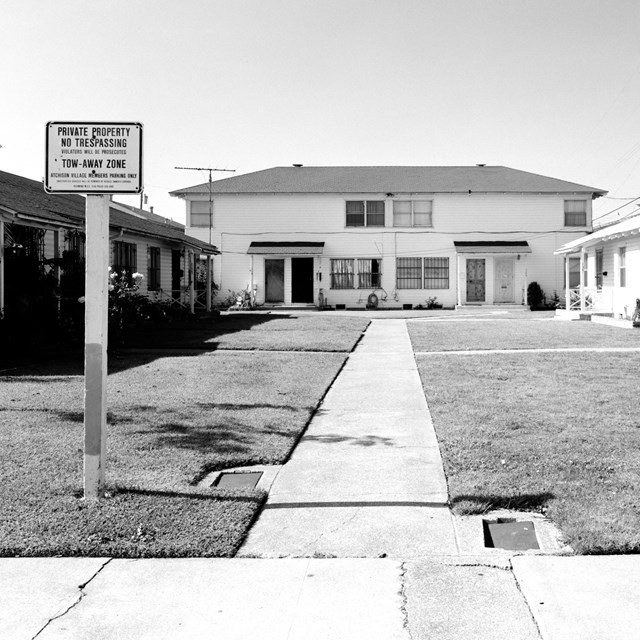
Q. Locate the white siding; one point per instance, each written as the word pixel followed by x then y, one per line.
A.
pixel 538 219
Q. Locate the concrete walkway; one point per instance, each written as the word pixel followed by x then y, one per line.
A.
pixel 355 542
pixel 367 476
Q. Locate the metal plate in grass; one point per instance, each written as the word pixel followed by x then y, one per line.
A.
pixel 507 533
pixel 238 480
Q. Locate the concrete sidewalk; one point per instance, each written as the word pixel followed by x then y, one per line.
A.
pixel 355 542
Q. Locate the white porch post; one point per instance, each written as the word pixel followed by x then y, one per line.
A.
pixel 567 288
pixel 1 265
pixel 208 294
pixel 458 284
pixel 192 281
pixel 251 274
pixel 582 258
pixel 526 277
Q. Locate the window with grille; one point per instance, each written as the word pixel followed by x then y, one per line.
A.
pixel 575 213
pixel 436 273
pixel 622 266
pixel 125 258
pixel 369 273
pixel 409 273
pixel 200 214
pixel 75 244
pixel 365 213
pixel 412 213
pixel 153 268
pixel 342 273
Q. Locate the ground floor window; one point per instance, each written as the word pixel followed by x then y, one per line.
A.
pixel 436 273
pixel 574 273
pixel 599 265
pixel 422 273
pixel 153 268
pixel 125 258
pixel 622 266
pixel 369 273
pixel 342 273
pixel 409 273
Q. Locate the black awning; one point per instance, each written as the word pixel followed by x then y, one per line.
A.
pixel 496 246
pixel 286 248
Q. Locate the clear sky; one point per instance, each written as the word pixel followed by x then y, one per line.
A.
pixel 548 86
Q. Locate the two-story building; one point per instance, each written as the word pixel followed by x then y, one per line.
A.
pixel 389 236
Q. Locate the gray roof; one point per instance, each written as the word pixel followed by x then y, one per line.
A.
pixel 482 179
pixel 26 199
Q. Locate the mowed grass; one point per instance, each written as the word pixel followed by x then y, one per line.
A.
pixel 171 421
pixel 474 334
pixel 552 432
pixel 259 331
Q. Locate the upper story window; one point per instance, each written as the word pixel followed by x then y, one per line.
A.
pixel 365 213
pixel 200 214
pixel 575 213
pixel 413 213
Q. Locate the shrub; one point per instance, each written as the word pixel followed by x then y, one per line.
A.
pixel 535 295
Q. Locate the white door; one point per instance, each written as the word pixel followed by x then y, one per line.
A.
pixel 503 279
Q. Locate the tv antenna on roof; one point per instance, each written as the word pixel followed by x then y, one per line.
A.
pixel 210 199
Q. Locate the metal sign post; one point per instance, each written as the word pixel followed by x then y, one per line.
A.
pixel 94 158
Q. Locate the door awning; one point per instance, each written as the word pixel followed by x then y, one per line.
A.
pixel 487 246
pixel 287 248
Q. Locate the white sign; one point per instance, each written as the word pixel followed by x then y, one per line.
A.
pixel 93 157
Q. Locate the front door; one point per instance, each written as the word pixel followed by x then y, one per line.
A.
pixel 301 280
pixel 503 279
pixel 475 279
pixel 274 281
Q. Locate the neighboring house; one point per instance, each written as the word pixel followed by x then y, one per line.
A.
pixel 42 248
pixel 463 235
pixel 603 270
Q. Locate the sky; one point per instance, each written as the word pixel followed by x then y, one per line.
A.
pixel 547 86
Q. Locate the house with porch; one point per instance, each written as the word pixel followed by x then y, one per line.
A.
pixel 42 250
pixel 603 271
pixel 389 236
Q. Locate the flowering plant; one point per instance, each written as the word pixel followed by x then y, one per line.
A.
pixel 127 306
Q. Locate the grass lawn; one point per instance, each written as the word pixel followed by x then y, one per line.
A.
pixel 559 433
pixel 261 331
pixel 171 419
pixel 470 335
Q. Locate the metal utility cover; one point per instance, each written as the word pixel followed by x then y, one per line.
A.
pixel 238 480
pixel 514 536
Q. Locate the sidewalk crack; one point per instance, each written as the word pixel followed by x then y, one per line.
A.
pixel 404 608
pixel 79 599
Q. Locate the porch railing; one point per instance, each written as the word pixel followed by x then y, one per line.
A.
pixel 594 300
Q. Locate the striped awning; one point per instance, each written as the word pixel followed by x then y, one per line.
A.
pixel 286 248
pixel 487 246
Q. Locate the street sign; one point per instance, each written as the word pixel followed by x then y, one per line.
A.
pixel 93 157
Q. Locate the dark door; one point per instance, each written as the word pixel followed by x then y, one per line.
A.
pixel 301 280
pixel 274 280
pixel 475 280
